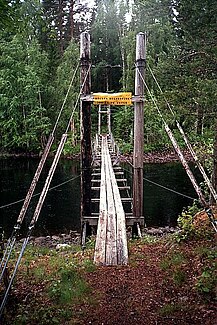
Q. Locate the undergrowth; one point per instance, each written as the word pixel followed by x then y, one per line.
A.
pixel 53 287
pixel 194 223
pixel 57 284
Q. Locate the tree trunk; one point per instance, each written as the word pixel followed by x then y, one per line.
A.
pixel 214 172
pixel 71 20
pixel 60 23
pixel 121 35
pixel 73 132
pixel 199 127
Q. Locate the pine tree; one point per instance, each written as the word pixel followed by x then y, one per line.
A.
pixel 106 52
pixel 23 119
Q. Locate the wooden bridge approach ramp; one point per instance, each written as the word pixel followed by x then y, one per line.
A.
pixel 111 241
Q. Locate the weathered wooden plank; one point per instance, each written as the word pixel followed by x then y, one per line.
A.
pixel 121 188
pixel 121 239
pixel 93 221
pixel 96 214
pixel 111 243
pixel 123 199
pixel 130 220
pixel 100 247
pixel 122 253
pixel 121 179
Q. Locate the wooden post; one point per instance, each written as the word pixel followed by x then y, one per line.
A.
pixel 85 112
pixel 139 128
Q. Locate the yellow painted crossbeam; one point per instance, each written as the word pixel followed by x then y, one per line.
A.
pixel 112 99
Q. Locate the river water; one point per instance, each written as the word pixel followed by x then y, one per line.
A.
pixel 61 210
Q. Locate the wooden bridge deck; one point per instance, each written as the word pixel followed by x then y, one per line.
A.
pixel 111 241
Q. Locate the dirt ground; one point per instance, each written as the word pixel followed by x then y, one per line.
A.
pixel 153 289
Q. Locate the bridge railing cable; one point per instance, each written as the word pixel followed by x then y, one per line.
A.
pixel 37 194
pixel 183 160
pixel 42 196
pixel 162 186
pixel 177 149
pixel 188 144
pixel 11 241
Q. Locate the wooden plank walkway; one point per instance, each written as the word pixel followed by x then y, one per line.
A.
pixel 111 240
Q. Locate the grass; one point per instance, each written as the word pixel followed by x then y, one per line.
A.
pixel 173 265
pixel 89 266
pixel 179 277
pixel 71 287
pixel 54 287
pixel 207 281
pixel 175 259
pixel 170 308
pixel 58 284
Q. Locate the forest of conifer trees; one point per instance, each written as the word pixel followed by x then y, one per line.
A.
pixel 39 46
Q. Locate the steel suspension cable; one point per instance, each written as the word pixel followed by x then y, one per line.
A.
pixel 177 149
pixel 44 156
pixel 184 163
pixel 55 162
pixel 37 194
pixel 188 144
pixel 11 241
pixel 78 99
pixel 13 276
pixel 66 96
pixel 41 199
pixel 162 186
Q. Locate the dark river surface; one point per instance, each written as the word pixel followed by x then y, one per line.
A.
pixel 61 210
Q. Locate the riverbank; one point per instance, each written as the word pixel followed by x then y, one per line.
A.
pixel 158 157
pixel 62 241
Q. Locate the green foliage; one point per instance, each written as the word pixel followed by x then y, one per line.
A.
pixel 89 265
pixel 39 273
pixel 179 277
pixel 123 123
pixel 106 52
pixel 23 119
pixel 65 72
pixel 9 15
pixel 207 281
pixel 90 242
pixel 148 239
pixel 185 222
pixel 124 147
pixel 70 287
pixel 170 308
pixel 70 148
pixel 173 264
pixel 181 50
pixel 175 259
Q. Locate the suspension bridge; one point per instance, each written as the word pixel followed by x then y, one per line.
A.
pixel 105 192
